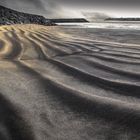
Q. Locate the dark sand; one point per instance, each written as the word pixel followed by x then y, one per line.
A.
pixel 69 84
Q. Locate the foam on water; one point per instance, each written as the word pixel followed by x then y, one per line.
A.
pixel 107 25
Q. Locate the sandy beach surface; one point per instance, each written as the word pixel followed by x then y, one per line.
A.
pixel 60 83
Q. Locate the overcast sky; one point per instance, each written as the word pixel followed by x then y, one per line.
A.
pixel 75 8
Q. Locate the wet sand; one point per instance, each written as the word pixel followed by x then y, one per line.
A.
pixel 60 83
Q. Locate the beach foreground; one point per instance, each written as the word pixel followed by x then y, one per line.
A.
pixel 61 83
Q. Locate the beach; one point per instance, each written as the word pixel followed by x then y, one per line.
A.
pixel 61 83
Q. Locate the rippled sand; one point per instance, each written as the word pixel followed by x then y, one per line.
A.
pixel 69 84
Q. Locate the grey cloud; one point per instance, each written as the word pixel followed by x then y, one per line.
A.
pixel 55 8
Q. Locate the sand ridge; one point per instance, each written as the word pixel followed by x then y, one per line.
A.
pixel 58 84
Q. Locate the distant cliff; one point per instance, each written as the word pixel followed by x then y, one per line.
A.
pixel 9 16
pixel 123 19
pixel 68 20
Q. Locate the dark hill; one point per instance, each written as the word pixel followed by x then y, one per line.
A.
pixel 9 16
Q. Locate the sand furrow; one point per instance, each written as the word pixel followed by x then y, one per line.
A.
pixel 68 84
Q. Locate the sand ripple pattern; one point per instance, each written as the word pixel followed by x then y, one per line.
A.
pixel 59 85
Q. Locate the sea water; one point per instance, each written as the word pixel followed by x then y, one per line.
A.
pixel 107 25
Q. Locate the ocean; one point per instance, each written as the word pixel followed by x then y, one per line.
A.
pixel 107 25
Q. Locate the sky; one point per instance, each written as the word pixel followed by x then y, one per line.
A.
pixel 75 8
